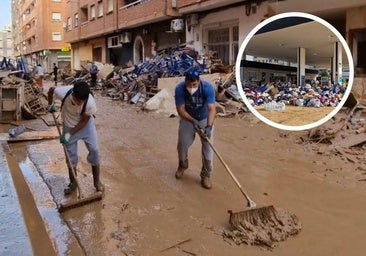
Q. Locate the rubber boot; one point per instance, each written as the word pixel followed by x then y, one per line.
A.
pixel 182 166
pixel 206 173
pixel 72 185
pixel 97 184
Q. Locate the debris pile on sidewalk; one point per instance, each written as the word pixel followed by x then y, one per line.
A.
pixel 149 85
pixel 344 134
pixel 228 100
pixel 28 97
pixel 137 84
pixel 310 95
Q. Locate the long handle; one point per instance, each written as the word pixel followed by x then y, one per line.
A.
pixel 251 203
pixel 73 173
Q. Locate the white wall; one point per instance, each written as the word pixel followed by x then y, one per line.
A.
pixel 216 19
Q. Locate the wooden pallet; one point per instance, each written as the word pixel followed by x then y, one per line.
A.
pixel 32 99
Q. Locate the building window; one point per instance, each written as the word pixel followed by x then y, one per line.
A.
pixel 92 12
pixel 109 6
pixel 56 36
pixel 84 15
pixel 235 43
pixel 68 24
pixel 223 42
pixel 100 9
pixel 76 19
pixel 56 16
pixel 358 49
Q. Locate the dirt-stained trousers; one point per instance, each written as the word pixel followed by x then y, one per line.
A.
pixel 186 136
pixel 89 135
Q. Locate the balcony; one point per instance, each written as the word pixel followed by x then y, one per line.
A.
pixel 191 6
pixel 142 12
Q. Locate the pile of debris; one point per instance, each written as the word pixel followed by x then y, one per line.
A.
pixel 28 97
pixel 309 95
pixel 228 100
pixel 345 133
pixel 139 84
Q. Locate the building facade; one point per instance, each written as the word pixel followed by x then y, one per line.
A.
pixel 121 32
pixel 6 43
pixel 39 34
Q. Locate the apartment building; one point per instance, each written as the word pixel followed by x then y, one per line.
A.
pixel 121 32
pixel 39 34
pixel 6 43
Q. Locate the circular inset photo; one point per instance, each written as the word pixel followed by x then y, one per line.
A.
pixel 294 71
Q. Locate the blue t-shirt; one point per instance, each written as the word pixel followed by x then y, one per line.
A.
pixel 196 104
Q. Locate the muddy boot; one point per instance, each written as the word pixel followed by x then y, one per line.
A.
pixel 97 184
pixel 72 185
pixel 206 173
pixel 183 165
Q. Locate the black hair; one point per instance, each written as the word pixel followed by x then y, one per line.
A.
pixel 81 90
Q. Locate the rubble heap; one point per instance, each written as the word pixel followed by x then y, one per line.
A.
pixel 344 134
pixel 309 95
pixel 30 98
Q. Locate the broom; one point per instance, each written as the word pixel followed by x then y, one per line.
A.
pixel 250 202
pixel 257 225
pixel 81 199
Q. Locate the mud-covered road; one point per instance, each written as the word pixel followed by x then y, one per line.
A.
pixel 146 210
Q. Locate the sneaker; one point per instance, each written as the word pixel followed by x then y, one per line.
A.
pixel 70 188
pixel 206 182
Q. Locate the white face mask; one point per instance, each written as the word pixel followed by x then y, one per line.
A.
pixel 192 90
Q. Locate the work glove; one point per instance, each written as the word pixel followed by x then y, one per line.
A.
pixel 208 131
pixel 51 108
pixel 65 138
pixel 196 125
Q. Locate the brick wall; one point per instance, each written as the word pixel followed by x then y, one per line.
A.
pixel 145 12
pixel 184 3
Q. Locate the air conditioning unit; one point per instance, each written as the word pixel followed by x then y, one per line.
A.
pixel 125 37
pixel 177 25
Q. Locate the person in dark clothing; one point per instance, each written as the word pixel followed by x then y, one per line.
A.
pixel 55 71
pixel 93 73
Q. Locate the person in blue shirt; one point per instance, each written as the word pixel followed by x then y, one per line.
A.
pixel 195 103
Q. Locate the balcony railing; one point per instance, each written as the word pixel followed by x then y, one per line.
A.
pixel 132 4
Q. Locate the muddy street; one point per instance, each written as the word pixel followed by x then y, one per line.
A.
pixel 145 210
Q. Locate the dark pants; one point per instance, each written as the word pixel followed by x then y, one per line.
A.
pixel 93 80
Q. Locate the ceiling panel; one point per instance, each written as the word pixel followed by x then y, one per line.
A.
pixel 317 39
